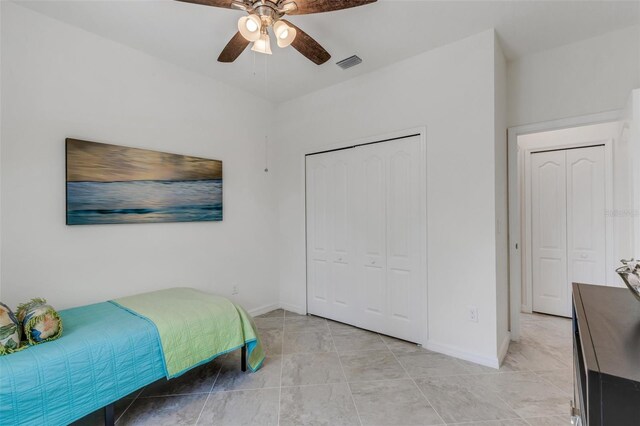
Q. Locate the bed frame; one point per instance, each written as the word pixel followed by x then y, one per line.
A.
pixel 109 410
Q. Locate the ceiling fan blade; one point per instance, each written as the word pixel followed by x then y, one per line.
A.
pixel 234 48
pixel 310 48
pixel 305 7
pixel 228 4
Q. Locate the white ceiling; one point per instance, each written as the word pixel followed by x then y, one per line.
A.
pixel 192 36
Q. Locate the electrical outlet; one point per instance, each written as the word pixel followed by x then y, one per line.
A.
pixel 473 314
pixel 235 291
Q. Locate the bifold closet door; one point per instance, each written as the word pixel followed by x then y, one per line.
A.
pixel 331 284
pixel 391 243
pixel 586 220
pixel 549 232
pixel 567 225
pixel 366 245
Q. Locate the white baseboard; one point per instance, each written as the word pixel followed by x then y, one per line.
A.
pixel 456 352
pixel 264 309
pixel 272 307
pixel 302 310
pixel 504 347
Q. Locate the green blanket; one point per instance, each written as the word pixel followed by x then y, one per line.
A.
pixel 194 327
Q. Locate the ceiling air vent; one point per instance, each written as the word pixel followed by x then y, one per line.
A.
pixel 349 62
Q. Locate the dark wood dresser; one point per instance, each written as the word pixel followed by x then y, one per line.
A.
pixel 606 350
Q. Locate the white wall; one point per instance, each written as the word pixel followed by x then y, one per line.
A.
pixel 632 122
pixel 624 168
pixel 586 77
pixel 501 201
pixel 451 91
pixel 59 81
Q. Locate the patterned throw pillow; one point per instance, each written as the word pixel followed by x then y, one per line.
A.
pixel 40 322
pixel 9 331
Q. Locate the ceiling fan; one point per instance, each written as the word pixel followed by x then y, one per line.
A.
pixel 265 14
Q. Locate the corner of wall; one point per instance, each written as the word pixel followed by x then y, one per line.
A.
pixel 501 198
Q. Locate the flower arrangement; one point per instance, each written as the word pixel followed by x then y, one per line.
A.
pixel 630 274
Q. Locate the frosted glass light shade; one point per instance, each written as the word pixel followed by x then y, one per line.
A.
pixel 249 27
pixel 284 34
pixel 262 45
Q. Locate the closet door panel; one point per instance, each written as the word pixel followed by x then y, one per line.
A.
pixel 374 213
pixel 391 234
pixel 400 209
pixel 586 215
pixel 372 237
pixel 342 236
pixel 373 296
pixel 318 251
pixel 399 284
pixel 404 236
pixel 548 230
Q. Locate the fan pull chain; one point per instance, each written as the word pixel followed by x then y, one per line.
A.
pixel 266 95
pixel 266 154
pixel 254 64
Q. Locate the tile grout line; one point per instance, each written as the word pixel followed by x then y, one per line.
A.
pixel 134 399
pixel 209 395
pixel 413 380
pixel 521 417
pixel 353 400
pixel 510 406
pixel 544 379
pixel 130 404
pixel 526 420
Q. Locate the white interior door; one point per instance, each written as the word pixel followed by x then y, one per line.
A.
pixel 392 221
pixel 586 221
pixel 371 173
pixel 331 284
pixel 568 225
pixel 318 268
pixel 549 232
pixel 366 237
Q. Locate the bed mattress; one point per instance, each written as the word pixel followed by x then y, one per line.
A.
pixel 104 354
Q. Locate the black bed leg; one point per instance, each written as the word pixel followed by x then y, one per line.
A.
pixel 109 418
pixel 243 356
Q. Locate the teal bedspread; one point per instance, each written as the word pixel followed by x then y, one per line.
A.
pixel 104 354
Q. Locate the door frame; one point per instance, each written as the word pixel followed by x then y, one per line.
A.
pixel 421 133
pixel 516 191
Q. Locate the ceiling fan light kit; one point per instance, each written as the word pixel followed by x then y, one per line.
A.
pixel 263 44
pixel 249 27
pixel 264 14
pixel 284 33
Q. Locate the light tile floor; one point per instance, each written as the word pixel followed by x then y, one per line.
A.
pixel 320 372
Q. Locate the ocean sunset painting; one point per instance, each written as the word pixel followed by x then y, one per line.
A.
pixel 110 184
